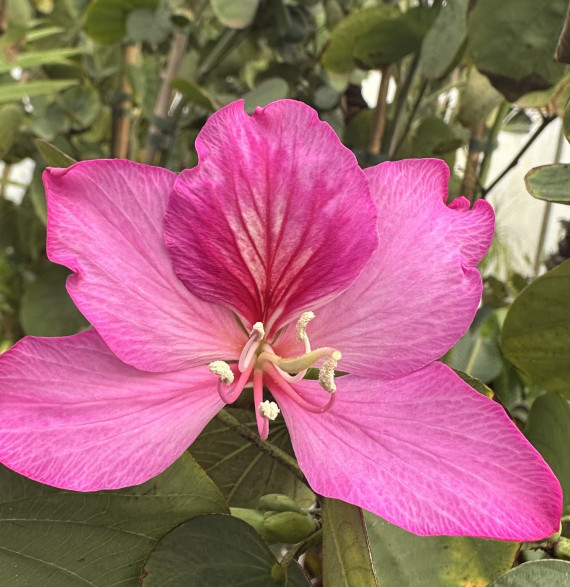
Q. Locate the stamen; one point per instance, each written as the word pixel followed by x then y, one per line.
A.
pixel 223 371
pixel 296 364
pixel 262 423
pixel 269 410
pixel 259 330
pixel 256 335
pixel 305 318
pixel 292 394
pixel 326 374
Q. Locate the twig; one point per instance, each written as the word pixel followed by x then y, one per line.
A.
pixel 547 208
pixel 545 122
pixel 177 51
pixel 227 41
pixel 273 451
pixel 410 119
pixel 472 165
pixel 122 119
pixel 379 122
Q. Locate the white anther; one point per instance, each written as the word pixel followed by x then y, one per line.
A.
pixel 258 329
pixel 326 374
pixel 223 371
pixel 305 318
pixel 268 410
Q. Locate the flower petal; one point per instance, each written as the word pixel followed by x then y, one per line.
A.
pixel 420 290
pixel 428 453
pixel 105 223
pixel 276 218
pixel 75 416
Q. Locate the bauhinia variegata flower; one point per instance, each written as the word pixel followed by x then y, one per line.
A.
pixel 275 255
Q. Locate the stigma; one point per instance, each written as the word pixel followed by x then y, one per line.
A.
pixel 260 365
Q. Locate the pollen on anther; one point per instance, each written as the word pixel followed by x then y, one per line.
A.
pixel 223 371
pixel 326 374
pixel 268 410
pixel 259 329
pixel 304 319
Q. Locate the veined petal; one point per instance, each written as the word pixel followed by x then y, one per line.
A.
pixel 276 218
pixel 428 453
pixel 420 290
pixel 105 223
pixel 75 416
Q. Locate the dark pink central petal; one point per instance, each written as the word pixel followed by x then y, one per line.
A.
pixel 277 217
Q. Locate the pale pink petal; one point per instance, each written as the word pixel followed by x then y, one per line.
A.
pixel 420 290
pixel 427 453
pixel 75 416
pixel 276 217
pixel 105 223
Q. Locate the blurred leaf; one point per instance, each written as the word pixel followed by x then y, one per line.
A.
pixel 11 115
pixel 566 121
pixel 46 308
pixel 550 183
pixel 544 573
pixel 375 36
pixel 444 39
pixel 144 25
pixel 43 32
pixel 105 20
pixel 548 429
pixel 518 122
pixel 53 156
pixel 477 351
pixel 57 538
pixel 445 561
pixel 81 104
pixel 513 42
pixel 39 58
pixel 347 558
pixel 16 91
pixel 477 98
pixel 535 333
pixel 194 93
pixel 236 15
pixel 267 91
pixel 241 471
pixel 215 550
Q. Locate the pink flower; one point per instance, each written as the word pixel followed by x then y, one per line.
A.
pixel 199 283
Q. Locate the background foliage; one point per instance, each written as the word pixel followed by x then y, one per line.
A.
pixel 137 79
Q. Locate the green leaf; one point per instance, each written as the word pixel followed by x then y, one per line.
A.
pixel 144 25
pixel 16 91
pixel 374 36
pixel 46 308
pixel 566 121
pixel 550 182
pixel 194 93
pixel 241 471
pixel 81 104
pixel 444 39
pixel 105 20
pixel 548 430
pixel 477 351
pixel 11 115
pixel 269 90
pixel 515 40
pixel 347 558
pixel 58 538
pixel 39 58
pixel 53 156
pixel 215 550
pixel 477 98
pixel 535 336
pixel 444 561
pixel 544 573
pixel 236 15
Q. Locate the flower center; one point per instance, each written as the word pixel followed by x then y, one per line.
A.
pixel 259 364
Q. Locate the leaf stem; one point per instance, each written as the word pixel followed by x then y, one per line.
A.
pixel 491 140
pixel 122 109
pixel 421 92
pixel 273 451
pixel 545 122
pixel 379 122
pixel 302 547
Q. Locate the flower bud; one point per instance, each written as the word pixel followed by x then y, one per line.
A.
pixel 289 527
pixel 278 502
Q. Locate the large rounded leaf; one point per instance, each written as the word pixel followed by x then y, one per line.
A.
pixel 404 559
pixel 545 573
pixel 215 550
pixel 550 182
pixel 535 334
pixel 56 538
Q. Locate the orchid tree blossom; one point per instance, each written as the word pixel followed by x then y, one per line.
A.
pixel 274 255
